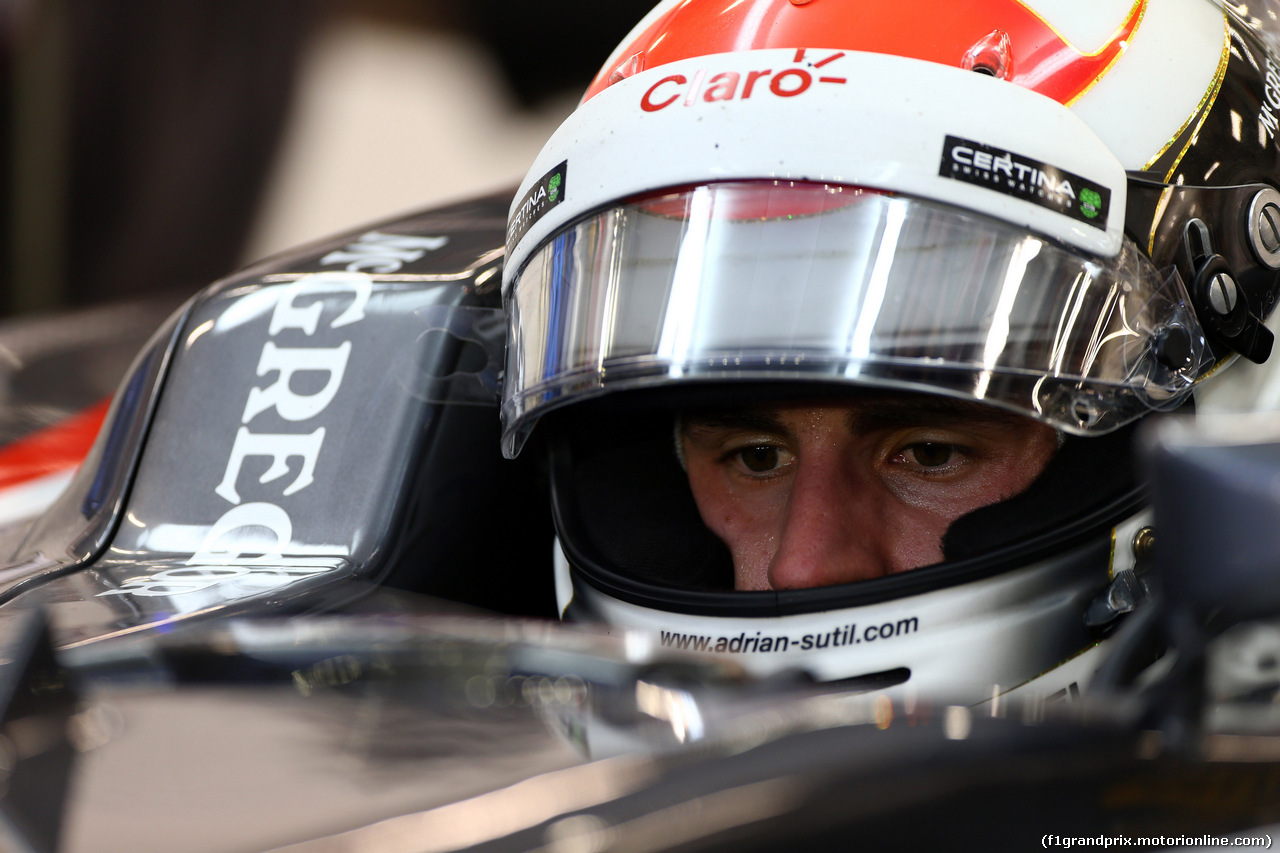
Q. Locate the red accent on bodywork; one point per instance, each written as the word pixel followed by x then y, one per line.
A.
pixel 1041 59
pixel 52 449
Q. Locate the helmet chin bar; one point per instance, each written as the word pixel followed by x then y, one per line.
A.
pixel 1022 630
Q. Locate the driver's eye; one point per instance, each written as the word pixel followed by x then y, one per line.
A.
pixel 759 459
pixel 931 455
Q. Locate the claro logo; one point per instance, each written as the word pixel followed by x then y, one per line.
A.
pixel 222 554
pixel 735 85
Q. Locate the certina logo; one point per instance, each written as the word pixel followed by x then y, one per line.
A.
pixel 537 202
pixel 1026 179
pixel 221 557
pixel 706 86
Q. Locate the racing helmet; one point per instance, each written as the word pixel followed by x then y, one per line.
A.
pixel 1067 211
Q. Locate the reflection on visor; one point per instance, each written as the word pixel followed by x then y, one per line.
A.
pixel 753 281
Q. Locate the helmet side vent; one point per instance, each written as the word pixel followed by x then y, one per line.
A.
pixel 991 55
pixel 628 67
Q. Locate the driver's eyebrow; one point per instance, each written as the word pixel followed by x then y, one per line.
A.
pixel 753 420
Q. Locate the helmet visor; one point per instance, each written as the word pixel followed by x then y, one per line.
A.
pixel 791 281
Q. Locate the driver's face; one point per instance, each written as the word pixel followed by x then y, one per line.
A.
pixel 813 494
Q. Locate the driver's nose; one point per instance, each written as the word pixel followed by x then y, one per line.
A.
pixel 832 531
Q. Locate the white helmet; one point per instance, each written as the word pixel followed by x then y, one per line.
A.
pixel 1068 213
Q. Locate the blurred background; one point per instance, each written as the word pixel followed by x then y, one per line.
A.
pixel 153 146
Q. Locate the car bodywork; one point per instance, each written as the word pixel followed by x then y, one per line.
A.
pixel 266 451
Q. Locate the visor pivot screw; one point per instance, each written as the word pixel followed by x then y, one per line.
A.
pixel 1144 541
pixel 1222 294
pixel 1264 227
pixel 1219 303
pixel 1269 229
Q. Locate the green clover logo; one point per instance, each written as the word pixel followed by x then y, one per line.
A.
pixel 553 186
pixel 1090 203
